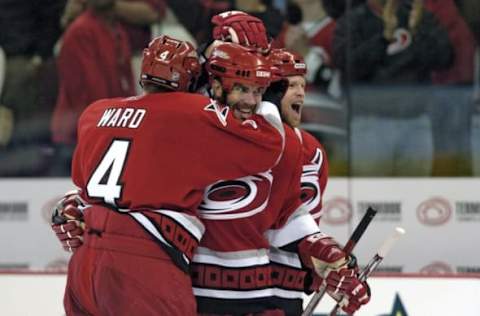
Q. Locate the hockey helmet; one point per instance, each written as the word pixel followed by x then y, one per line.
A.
pixel 287 63
pixel 170 63
pixel 233 63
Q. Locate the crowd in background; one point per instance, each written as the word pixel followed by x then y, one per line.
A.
pixel 393 84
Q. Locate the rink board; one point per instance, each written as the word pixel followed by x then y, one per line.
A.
pixel 441 217
pixel 41 294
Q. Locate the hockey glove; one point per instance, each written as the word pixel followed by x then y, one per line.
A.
pixel 67 221
pixel 275 92
pixel 338 272
pixel 241 28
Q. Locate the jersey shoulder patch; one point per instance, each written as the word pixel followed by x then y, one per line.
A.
pixel 220 111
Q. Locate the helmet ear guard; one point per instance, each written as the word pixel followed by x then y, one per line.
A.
pixel 170 63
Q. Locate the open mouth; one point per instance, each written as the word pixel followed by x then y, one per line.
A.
pixel 243 113
pixel 296 107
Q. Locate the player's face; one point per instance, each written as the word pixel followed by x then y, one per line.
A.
pixel 243 100
pixel 292 101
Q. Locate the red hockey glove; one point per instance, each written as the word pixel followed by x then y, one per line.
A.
pixel 357 294
pixel 350 293
pixel 339 273
pixel 241 28
pixel 67 221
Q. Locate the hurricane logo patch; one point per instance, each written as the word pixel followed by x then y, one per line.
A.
pixel 239 198
pixel 310 186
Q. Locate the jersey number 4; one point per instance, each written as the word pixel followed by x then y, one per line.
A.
pixel 104 182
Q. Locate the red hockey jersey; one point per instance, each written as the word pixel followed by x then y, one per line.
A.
pixel 232 270
pixel 153 156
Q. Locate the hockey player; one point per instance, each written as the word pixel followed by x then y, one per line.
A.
pixel 260 240
pixel 292 69
pixel 142 164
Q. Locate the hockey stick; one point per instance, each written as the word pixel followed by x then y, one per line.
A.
pixel 354 238
pixel 375 261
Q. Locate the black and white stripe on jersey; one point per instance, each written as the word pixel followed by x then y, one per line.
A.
pixel 248 279
pixel 177 233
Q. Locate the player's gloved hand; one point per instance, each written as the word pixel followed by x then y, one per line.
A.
pixel 241 28
pixel 337 271
pixel 356 295
pixel 350 293
pixel 275 92
pixel 67 221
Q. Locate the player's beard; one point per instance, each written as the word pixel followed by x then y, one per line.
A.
pixel 235 107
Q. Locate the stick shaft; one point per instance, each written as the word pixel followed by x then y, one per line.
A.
pixel 351 243
pixel 359 230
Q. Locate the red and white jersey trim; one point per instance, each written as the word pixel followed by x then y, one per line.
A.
pixel 285 258
pixel 234 259
pixel 189 222
pixel 148 225
pixel 229 294
pixel 179 233
pixel 242 260
pixel 299 225
pixel 270 112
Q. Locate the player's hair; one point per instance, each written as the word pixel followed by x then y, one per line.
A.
pixel 233 63
pixel 287 63
pixel 170 63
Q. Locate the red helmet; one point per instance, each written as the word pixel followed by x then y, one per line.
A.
pixel 234 63
pixel 170 63
pixel 287 63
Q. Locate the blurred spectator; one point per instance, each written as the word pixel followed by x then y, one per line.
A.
pixel 336 8
pixel 463 42
pixel 309 31
pixel 451 115
pixel 470 9
pixel 394 47
pixel 195 15
pixel 6 115
pixel 137 17
pixel 94 63
pixel 265 11
pixel 475 137
pixel 393 42
pixel 30 30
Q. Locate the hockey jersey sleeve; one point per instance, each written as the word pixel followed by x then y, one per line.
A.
pixel 314 174
pixel 293 222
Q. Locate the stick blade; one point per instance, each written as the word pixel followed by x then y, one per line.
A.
pixel 390 241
